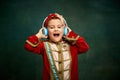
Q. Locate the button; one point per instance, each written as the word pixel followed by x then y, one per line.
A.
pixel 59 52
pixel 59 72
pixel 60 62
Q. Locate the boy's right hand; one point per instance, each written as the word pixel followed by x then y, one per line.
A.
pixel 40 34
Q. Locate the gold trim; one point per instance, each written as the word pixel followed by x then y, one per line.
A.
pixel 60 58
pixel 53 61
pixel 72 39
pixel 31 44
pixel 70 63
pixel 51 74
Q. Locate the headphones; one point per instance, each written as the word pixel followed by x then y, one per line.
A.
pixel 45 30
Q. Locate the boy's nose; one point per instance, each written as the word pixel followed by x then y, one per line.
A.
pixel 56 28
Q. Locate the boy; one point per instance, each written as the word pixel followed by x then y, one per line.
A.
pixel 60 50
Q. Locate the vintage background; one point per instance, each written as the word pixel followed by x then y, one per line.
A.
pixel 97 20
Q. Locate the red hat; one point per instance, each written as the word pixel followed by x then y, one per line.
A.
pixel 48 18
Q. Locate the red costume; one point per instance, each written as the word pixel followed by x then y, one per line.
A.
pixel 76 45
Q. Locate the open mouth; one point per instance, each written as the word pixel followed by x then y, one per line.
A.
pixel 56 35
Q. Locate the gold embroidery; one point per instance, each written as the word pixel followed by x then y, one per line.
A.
pixel 73 40
pixel 60 63
pixel 31 44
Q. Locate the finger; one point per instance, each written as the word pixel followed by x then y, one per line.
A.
pixel 45 36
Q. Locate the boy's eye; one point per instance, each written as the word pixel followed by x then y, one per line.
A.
pixel 59 27
pixel 51 27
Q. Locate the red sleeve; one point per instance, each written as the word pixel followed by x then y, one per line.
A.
pixel 34 40
pixel 79 42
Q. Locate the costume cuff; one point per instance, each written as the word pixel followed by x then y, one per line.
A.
pixel 33 41
pixel 72 37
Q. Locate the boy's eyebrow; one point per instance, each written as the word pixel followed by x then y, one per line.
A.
pixel 57 25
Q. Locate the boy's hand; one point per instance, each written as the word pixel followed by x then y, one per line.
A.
pixel 40 34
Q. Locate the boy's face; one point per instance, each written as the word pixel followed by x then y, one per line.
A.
pixel 55 29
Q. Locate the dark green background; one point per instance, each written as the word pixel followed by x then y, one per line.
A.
pixel 97 20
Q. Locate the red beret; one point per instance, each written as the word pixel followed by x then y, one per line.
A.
pixel 48 18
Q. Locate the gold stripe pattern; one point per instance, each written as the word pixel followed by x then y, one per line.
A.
pixel 31 44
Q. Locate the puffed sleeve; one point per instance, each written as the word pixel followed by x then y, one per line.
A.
pixel 33 44
pixel 78 41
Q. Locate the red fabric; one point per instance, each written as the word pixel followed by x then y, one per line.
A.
pixel 80 47
pixel 48 18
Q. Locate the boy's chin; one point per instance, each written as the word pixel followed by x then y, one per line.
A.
pixel 56 41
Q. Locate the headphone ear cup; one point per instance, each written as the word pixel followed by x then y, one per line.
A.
pixel 45 31
pixel 65 31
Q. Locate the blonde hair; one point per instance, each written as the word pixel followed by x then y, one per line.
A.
pixel 61 18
